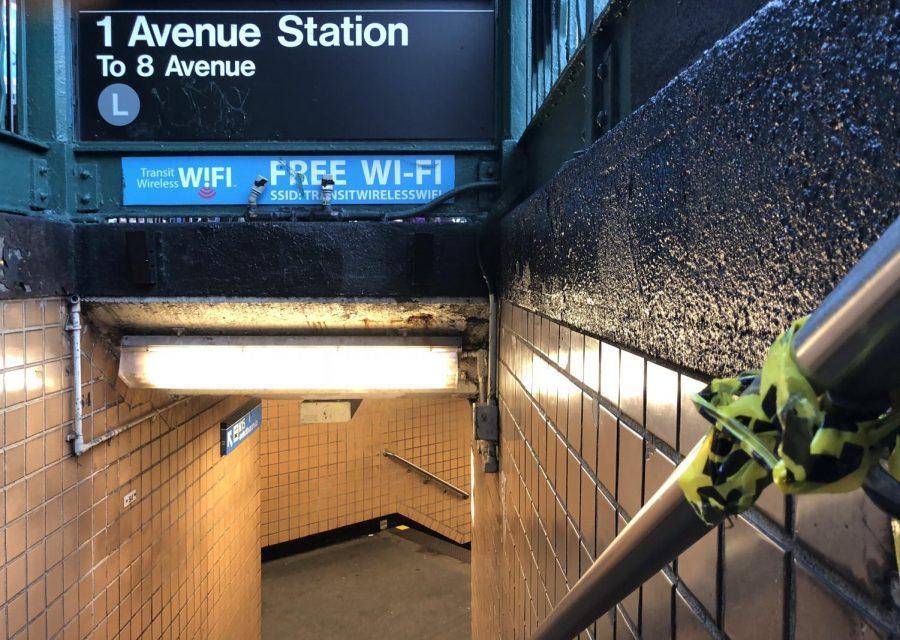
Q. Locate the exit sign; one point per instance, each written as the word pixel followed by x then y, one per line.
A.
pixel 240 426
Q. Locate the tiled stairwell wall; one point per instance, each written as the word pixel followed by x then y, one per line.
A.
pixel 182 561
pixel 589 432
pixel 318 477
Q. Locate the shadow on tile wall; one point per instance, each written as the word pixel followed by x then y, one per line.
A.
pixel 182 561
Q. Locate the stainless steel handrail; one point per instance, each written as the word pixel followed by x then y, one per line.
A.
pixel 850 344
pixel 425 473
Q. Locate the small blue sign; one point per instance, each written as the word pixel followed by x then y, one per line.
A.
pixel 240 426
pixel 293 180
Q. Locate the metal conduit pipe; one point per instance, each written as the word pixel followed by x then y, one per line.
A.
pixel 112 433
pixel 76 437
pixel 309 213
pixel 433 204
pixel 74 327
pixel 493 346
pixel 493 320
pixel 848 342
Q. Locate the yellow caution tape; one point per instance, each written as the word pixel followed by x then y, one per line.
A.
pixel 771 425
pixel 894 470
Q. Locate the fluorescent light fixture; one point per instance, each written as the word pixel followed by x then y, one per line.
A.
pixel 317 366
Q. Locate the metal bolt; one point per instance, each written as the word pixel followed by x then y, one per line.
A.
pixel 42 195
pixel 85 198
pixel 601 118
pixel 85 174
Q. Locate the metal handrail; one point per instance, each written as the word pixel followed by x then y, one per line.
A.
pixel 827 350
pixel 425 473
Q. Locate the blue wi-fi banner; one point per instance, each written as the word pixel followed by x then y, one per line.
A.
pixel 292 180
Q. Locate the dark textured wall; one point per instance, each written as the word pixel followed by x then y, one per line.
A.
pixel 36 257
pixel 283 259
pixel 648 43
pixel 733 201
pixel 665 37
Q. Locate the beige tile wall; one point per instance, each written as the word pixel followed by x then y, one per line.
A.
pixel 487 553
pixel 181 562
pixel 318 477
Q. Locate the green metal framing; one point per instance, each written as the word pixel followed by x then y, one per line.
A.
pixel 547 39
pixel 547 110
pixel 543 48
pixel 551 106
pixel 48 172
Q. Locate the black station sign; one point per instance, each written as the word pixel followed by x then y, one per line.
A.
pixel 290 70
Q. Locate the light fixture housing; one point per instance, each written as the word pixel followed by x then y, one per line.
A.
pixel 291 366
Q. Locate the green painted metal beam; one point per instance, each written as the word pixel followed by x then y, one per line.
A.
pixel 44 165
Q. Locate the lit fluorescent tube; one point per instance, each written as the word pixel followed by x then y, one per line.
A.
pixel 308 366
